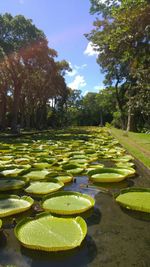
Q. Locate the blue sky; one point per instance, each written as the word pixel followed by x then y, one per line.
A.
pixel 64 22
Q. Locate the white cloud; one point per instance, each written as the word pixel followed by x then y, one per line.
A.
pixel 75 69
pixel 85 92
pixel 71 73
pixel 80 67
pixel 97 87
pixel 78 82
pixel 90 51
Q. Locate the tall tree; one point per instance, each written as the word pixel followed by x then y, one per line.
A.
pixel 16 32
pixel 121 36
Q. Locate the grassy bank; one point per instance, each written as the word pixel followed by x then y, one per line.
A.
pixel 138 144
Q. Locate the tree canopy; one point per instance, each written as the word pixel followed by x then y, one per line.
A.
pixel 121 35
pixel 30 76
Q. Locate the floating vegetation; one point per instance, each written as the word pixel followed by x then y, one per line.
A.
pixel 67 203
pixel 42 188
pixel 50 233
pixel 50 166
pixel 135 199
pixel 12 204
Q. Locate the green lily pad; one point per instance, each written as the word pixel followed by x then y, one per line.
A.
pixel 12 172
pixel 73 168
pixel 11 204
pixel 124 158
pixel 64 178
pixel 41 188
pixel 128 171
pixel 93 167
pixel 135 199
pixel 22 161
pixel 107 175
pixel 11 184
pixel 49 233
pixel 41 165
pixel 67 202
pixel 125 164
pixel 37 175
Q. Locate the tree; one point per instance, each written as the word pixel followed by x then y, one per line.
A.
pixel 122 40
pixel 29 74
pixel 16 33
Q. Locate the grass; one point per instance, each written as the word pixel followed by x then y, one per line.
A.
pixel 138 144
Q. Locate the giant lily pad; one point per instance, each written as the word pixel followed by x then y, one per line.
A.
pixel 11 204
pixel 125 164
pixel 73 168
pixel 22 161
pixel 41 165
pixel 41 188
pixel 64 178
pixel 135 199
pixel 49 233
pixel 67 202
pixel 12 172
pixel 37 175
pixel 11 184
pixel 128 171
pixel 107 175
pixel 125 158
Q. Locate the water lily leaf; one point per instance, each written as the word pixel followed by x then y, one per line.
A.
pixel 37 175
pixel 21 161
pixel 41 188
pixel 125 158
pixel 93 167
pixel 129 171
pixel 107 175
pixel 124 164
pixel 41 165
pixel 11 204
pixel 135 199
pixel 64 178
pixel 73 168
pixel 11 184
pixel 67 202
pixel 49 233
pixel 12 172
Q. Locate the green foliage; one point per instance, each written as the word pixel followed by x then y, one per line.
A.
pixel 29 75
pixel 121 35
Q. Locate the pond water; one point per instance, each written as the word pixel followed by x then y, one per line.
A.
pixel 116 236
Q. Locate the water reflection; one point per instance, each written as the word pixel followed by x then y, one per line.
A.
pixel 138 215
pixel 81 256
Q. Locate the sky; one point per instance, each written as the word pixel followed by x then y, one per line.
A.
pixel 64 23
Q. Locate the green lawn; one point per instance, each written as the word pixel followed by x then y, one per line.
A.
pixel 138 144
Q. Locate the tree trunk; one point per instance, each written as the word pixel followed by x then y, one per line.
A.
pixel 3 102
pixel 120 106
pixel 28 121
pixel 131 124
pixel 101 118
pixel 15 109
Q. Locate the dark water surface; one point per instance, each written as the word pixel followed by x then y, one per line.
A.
pixel 116 237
